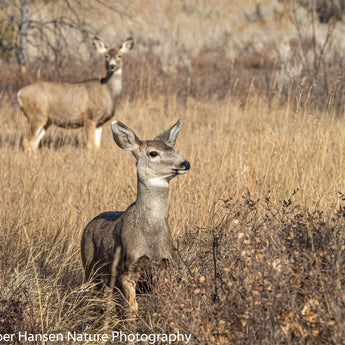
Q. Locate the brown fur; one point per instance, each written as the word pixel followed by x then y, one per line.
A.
pixel 115 245
pixel 90 103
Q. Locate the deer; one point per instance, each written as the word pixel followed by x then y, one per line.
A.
pixel 115 245
pixel 87 104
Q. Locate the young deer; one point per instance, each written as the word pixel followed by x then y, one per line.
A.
pixel 70 105
pixel 116 245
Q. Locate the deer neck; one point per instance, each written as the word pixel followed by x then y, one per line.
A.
pixel 152 202
pixel 113 80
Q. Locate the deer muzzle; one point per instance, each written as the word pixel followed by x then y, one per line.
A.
pixel 185 166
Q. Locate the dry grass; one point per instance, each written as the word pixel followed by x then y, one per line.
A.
pixel 258 220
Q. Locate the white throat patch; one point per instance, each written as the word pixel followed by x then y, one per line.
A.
pixel 158 182
pixel 117 83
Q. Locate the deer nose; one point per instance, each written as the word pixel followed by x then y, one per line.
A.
pixel 186 165
pixel 112 67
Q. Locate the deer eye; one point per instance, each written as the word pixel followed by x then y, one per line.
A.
pixel 153 153
pixel 106 56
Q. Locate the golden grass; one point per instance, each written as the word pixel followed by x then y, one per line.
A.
pixel 258 220
pixel 236 151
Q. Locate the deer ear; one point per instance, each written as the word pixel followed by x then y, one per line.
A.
pixel 99 46
pixel 170 135
pixel 127 45
pixel 124 137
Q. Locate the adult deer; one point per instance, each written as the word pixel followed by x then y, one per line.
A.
pixel 115 246
pixel 70 105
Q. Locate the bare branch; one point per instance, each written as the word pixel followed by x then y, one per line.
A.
pixel 54 33
pixel 300 39
pixel 117 7
pixel 318 54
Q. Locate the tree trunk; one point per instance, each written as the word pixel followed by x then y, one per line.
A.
pixel 22 51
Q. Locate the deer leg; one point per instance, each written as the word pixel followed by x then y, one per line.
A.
pixel 37 131
pixel 98 137
pixel 90 127
pixel 128 287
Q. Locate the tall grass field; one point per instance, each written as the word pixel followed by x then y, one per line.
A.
pixel 258 222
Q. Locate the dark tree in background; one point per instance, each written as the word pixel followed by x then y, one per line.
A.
pixel 326 9
pixel 19 29
pixel 22 50
pixel 9 42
